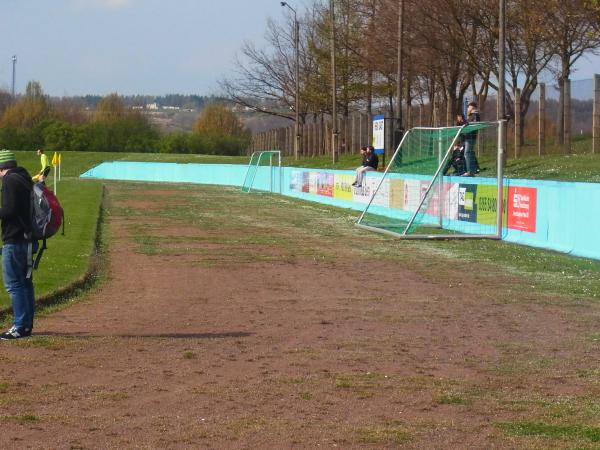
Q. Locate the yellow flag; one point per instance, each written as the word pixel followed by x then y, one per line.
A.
pixel 55 160
pixel 59 157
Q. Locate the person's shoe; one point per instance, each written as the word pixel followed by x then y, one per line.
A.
pixel 354 184
pixel 15 333
pixel 467 174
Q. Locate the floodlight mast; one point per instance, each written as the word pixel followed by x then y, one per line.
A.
pixel 14 64
pixel 297 70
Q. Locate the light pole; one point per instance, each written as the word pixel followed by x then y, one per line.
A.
pixel 297 57
pixel 400 59
pixel 334 134
pixel 501 74
pixel 14 61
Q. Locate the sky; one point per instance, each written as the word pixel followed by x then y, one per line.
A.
pixel 150 47
pixel 153 47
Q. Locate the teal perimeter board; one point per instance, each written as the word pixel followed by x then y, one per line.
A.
pixel 561 216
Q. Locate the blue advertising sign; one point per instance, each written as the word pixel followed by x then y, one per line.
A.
pixel 379 134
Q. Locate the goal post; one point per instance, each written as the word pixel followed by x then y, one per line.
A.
pixel 264 172
pixel 422 194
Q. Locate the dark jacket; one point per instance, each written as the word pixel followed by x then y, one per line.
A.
pixel 15 209
pixel 473 118
pixel 370 160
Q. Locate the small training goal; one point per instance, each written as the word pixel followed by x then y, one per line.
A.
pixel 264 172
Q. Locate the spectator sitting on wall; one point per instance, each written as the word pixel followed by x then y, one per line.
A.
pixel 369 163
pixel 457 158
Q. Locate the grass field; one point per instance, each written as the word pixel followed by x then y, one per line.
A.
pixel 479 342
pixel 301 330
pixel 69 256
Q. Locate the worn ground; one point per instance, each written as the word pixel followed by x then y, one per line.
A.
pixel 230 321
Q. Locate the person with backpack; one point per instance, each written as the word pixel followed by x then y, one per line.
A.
pixel 18 249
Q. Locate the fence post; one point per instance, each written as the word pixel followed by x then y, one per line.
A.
pixel 517 123
pixel 306 135
pixel 596 125
pixel 310 132
pixel 352 145
pixel 542 121
pixel 567 116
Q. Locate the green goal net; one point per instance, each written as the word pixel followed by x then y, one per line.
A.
pixel 264 172
pixel 426 191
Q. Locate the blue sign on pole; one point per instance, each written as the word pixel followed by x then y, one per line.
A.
pixel 379 134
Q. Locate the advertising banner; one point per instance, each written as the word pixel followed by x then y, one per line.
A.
pixel 382 197
pixel 487 202
pixel 467 207
pixel 397 193
pixel 313 181
pixel 325 184
pixel 343 187
pixel 412 194
pixel 522 208
pixel 363 194
pixel 305 182
pixel 451 205
pixel 296 180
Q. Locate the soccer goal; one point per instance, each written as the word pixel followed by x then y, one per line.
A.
pixel 264 172
pixel 424 194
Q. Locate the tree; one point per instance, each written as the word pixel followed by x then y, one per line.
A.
pixel 110 108
pixel 572 30
pixel 218 120
pixel 264 79
pixel 30 110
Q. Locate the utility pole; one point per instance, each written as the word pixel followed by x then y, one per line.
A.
pixel 334 127
pixel 297 67
pixel 501 75
pixel 596 119
pixel 400 73
pixel 501 158
pixel 14 64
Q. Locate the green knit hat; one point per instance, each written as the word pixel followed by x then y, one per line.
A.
pixel 7 159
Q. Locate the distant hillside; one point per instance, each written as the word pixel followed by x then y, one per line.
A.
pixel 258 122
pixel 170 100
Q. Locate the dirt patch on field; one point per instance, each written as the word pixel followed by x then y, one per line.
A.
pixel 239 340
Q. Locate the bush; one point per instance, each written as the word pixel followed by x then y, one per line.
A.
pixel 127 134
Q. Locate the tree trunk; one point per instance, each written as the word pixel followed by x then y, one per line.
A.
pixel 560 125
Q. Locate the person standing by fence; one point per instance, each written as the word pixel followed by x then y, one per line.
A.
pixel 471 163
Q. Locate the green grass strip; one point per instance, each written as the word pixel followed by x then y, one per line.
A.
pixel 68 259
pixel 551 431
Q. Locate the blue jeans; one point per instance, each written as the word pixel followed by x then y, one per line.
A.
pixel 470 158
pixel 15 260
